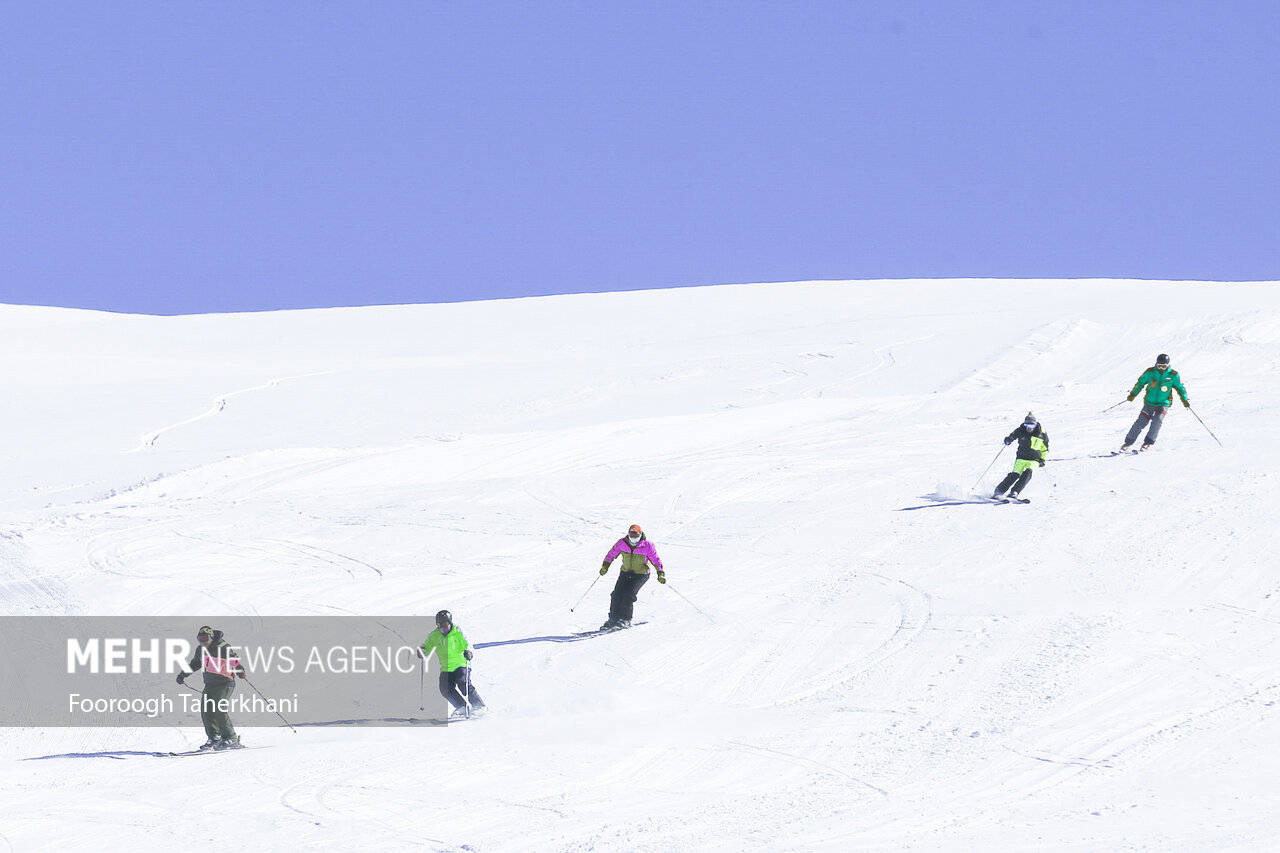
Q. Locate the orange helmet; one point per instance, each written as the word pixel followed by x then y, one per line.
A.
pixel 635 528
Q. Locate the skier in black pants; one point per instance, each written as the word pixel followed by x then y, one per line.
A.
pixel 452 650
pixel 637 554
pixel 1033 452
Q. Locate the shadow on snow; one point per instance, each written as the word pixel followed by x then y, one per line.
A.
pixel 118 754
pixel 936 500
pixel 554 638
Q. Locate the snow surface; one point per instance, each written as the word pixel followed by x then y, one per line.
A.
pixel 862 660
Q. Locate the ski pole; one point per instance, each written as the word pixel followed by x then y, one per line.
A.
pixel 690 603
pixel 988 468
pixel 1109 408
pixel 1205 425
pixel 584 595
pixel 422 682
pixel 268 701
pixel 466 690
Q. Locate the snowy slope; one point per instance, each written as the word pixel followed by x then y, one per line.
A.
pixel 860 660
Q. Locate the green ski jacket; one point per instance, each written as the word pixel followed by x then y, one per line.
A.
pixel 1160 385
pixel 448 648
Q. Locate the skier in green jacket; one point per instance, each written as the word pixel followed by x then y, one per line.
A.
pixel 1160 381
pixel 1033 450
pixel 450 646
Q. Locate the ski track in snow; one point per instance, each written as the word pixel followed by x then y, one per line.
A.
pixel 1092 671
pixel 218 406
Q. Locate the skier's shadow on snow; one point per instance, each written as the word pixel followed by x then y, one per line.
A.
pixel 376 721
pixel 118 754
pixel 554 638
pixel 1084 456
pixel 936 500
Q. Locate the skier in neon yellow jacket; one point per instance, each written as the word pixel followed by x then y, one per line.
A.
pixel 1160 382
pixel 450 646
pixel 1033 452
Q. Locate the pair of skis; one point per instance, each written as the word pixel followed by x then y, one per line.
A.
pixel 582 635
pixel 202 752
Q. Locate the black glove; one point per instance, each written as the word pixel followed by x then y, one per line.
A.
pixel 240 673
pixel 1044 462
pixel 466 654
pixel 1008 441
pixel 418 652
pixel 182 678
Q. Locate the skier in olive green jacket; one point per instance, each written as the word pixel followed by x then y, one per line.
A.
pixel 221 667
pixel 450 646
pixel 1160 381
pixel 637 554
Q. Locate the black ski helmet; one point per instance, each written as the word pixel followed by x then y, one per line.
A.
pixel 1030 421
pixel 1162 358
pixel 444 617
pixel 205 631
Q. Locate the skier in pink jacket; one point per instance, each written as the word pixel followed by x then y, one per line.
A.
pixel 637 553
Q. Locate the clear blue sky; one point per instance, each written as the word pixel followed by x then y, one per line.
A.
pixel 177 157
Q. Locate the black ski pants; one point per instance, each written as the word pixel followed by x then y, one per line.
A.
pixel 457 684
pixel 622 601
pixel 1013 478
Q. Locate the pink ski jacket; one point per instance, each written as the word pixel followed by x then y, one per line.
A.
pixel 634 559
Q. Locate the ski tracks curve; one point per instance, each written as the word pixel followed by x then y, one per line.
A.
pixel 219 404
